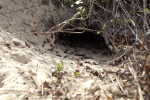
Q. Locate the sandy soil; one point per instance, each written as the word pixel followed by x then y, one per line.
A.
pixel 27 62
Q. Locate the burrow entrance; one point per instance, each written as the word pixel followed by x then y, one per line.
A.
pixel 86 41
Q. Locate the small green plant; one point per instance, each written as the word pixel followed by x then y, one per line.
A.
pixel 103 28
pixel 106 25
pixel 68 1
pixel 112 20
pixel 105 1
pixel 122 22
pixel 76 73
pixel 80 14
pixel 146 10
pixel 59 72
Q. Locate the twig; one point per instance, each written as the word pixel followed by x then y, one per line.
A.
pixel 136 80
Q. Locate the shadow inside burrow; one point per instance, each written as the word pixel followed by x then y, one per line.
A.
pixel 86 43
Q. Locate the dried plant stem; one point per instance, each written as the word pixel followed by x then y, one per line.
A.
pixel 136 80
pixel 114 18
pixel 144 25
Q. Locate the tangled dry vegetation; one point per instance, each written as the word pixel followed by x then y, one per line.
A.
pixel 126 25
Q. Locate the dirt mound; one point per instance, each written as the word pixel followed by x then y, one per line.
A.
pixel 29 67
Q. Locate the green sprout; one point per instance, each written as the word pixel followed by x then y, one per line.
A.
pixel 76 73
pixel 105 1
pixel 104 26
pixel 58 72
pixel 146 10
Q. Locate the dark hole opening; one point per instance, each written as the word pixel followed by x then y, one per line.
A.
pixel 87 40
